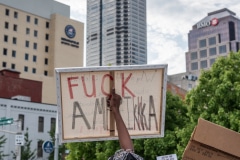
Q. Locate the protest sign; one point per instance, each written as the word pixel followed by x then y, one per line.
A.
pixel 82 101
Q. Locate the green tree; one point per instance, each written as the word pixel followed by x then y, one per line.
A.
pixel 2 142
pixel 82 150
pixel 26 153
pixel 176 118
pixel 217 97
pixel 61 148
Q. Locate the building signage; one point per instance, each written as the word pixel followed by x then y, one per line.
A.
pixel 70 31
pixel 203 24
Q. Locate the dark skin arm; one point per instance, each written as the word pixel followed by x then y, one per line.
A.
pixel 123 134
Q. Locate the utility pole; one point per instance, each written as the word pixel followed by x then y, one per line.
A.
pixel 8 121
pixel 56 147
pixel 18 157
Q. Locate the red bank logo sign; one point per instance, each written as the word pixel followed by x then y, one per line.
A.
pixel 203 24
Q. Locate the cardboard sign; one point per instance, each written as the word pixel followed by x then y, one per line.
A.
pixel 82 101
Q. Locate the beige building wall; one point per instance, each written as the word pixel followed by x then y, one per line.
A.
pixel 48 48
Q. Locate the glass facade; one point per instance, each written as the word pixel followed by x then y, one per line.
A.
pixel 116 32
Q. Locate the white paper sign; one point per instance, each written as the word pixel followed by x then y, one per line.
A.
pixel 19 140
pixel 168 157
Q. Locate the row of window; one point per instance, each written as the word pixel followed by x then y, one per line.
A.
pixel 35 32
pixel 14 54
pixel 40 129
pixel 211 41
pixel 26 68
pixel 203 64
pixel 212 51
pixel 27 43
pixel 28 18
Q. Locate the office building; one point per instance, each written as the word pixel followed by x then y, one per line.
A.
pixel 213 36
pixel 19 102
pixel 37 37
pixel 116 32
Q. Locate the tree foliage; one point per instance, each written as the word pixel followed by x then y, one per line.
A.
pixel 217 97
pixel 61 148
pixel 176 119
pixel 2 142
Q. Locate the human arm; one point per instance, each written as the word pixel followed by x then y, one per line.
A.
pixel 123 134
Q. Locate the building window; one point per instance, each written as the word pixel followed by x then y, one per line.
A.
pixel 47 24
pixel 194 55
pixel 35 33
pixel 21 118
pixel 5 38
pixel 5 51
pixel 39 149
pixel 26 56
pixel 25 69
pixel 212 41
pixel 46 61
pixel 15 27
pixel 34 70
pixel 13 53
pixel 40 124
pixel 28 18
pixel 34 58
pixel 212 61
pixel 202 43
pixel 46 48
pixel 27 44
pixel 212 51
pixel 4 64
pixel 7 12
pixel 231 26
pixel 34 45
pixel 12 66
pixel 27 31
pixel 14 40
pixel 189 86
pixel 15 14
pixel 203 64
pixel 194 66
pixel 36 21
pixel 53 124
pixel 6 25
pixel 47 36
pixel 222 49
pixel 203 53
pixel 45 73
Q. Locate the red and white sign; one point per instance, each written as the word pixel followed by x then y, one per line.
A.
pixel 82 99
pixel 203 24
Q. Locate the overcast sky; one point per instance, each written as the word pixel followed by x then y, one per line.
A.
pixel 168 24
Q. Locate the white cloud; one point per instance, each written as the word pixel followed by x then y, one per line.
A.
pixel 168 25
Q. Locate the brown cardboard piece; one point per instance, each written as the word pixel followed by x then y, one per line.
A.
pixel 210 141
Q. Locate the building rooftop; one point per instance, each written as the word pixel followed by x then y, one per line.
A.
pixel 222 10
pixel 42 8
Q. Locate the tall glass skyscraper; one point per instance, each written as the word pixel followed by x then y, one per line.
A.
pixel 116 32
